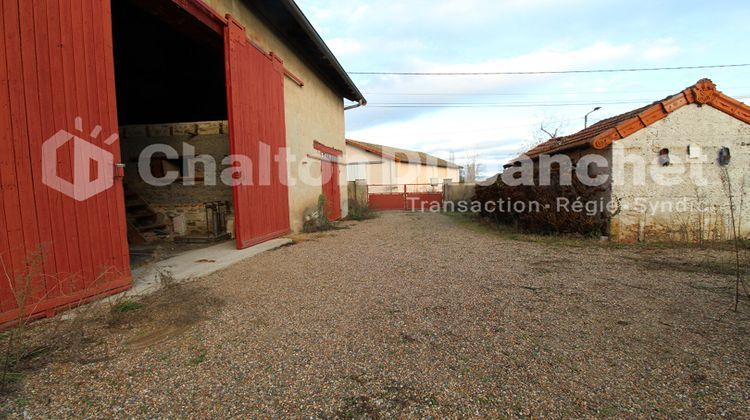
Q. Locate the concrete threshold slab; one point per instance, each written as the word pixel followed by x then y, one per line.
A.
pixel 194 264
pixel 183 268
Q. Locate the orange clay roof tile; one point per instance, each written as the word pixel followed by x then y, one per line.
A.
pixel 605 132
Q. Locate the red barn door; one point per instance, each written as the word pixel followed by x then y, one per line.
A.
pixel 331 189
pixel 62 221
pixel 257 136
pixel 329 167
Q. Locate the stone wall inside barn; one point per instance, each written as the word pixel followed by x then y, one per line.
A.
pixel 181 203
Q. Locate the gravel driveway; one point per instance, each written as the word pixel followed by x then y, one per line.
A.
pixel 416 315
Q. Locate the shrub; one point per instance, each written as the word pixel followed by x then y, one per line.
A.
pixel 546 218
pixel 316 220
pixel 360 212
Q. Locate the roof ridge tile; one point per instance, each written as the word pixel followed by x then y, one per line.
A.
pixel 607 131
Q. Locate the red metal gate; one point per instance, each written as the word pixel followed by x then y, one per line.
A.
pixel 257 133
pixel 57 77
pixel 412 197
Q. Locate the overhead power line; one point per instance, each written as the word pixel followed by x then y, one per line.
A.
pixel 468 94
pixel 521 73
pixel 505 105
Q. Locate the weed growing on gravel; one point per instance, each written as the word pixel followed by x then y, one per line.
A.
pixel 200 358
pixel 317 221
pixel 17 348
pixel 127 306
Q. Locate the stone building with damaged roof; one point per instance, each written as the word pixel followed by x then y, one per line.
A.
pixel 669 168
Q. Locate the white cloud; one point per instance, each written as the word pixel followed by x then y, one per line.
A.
pixel 544 59
pixel 345 46
pixel 507 35
pixel 453 13
pixel 550 58
pixel 661 49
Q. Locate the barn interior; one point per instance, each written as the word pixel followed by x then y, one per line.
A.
pixel 171 91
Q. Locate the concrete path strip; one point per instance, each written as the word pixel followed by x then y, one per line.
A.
pixel 194 264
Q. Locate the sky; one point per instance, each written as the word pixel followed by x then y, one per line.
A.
pixel 499 116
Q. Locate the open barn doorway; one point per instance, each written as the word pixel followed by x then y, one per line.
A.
pixel 171 95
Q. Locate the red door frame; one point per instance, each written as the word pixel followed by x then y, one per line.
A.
pixel 204 13
pixel 330 177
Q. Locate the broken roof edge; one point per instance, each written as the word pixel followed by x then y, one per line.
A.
pixel 602 134
pixel 325 64
pixel 368 147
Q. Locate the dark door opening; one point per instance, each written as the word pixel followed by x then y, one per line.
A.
pixel 169 67
pixel 171 93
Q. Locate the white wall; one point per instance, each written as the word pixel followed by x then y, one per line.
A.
pixel 377 170
pixel 368 166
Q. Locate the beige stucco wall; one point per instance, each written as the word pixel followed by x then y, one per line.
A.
pixel 313 112
pixel 707 128
pixel 377 170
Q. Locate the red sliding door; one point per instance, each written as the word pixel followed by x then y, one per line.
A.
pixel 62 221
pixel 257 135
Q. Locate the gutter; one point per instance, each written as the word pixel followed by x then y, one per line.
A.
pixel 360 103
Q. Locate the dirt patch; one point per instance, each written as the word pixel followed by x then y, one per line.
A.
pixel 723 265
pixel 157 336
pixel 98 333
pixel 310 237
pixel 177 305
pixel 167 315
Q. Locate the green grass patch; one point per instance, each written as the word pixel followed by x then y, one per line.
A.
pixel 359 213
pixel 128 306
pixel 200 358
pixel 13 378
pixel 479 224
pixel 726 267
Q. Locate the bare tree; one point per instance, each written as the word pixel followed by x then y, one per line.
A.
pixel 472 169
pixel 548 129
pixel 551 135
